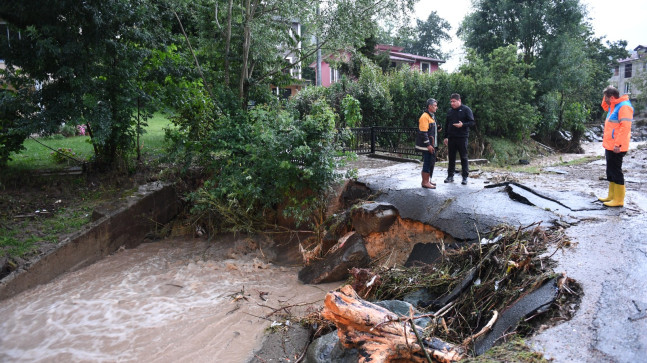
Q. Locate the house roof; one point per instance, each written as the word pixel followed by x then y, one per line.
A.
pixel 395 54
pixel 396 58
pixel 638 53
pixel 415 57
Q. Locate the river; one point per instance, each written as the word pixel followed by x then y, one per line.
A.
pixel 176 299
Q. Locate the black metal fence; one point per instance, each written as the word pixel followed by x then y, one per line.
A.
pixel 392 140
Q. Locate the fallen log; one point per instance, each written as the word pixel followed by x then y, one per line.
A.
pixel 379 334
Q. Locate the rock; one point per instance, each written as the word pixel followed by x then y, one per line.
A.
pixel 283 345
pixel 402 308
pixel 353 193
pixel 373 217
pixel 335 266
pixel 338 226
pixel 328 349
pixel 428 253
pixel 418 297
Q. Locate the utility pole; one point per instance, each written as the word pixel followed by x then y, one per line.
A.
pixel 318 82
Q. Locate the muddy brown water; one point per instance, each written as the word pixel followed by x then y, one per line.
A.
pixel 173 300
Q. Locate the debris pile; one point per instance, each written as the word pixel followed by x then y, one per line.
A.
pixel 475 296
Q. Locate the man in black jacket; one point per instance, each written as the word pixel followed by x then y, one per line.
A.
pixel 457 128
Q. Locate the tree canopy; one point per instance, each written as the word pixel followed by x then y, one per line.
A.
pixel 425 38
pixel 569 65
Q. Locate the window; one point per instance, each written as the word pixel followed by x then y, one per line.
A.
pixel 425 67
pixel 287 64
pixel 7 36
pixel 334 75
pixel 628 70
pixel 627 88
pixel 4 33
pixel 616 71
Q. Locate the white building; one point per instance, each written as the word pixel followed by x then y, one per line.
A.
pixel 627 69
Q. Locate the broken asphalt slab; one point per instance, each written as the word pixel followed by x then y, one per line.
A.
pixel 466 211
pixel 608 256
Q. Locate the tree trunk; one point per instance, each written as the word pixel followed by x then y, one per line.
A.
pixel 247 31
pixel 380 335
pixel 228 41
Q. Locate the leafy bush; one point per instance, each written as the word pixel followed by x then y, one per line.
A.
pixel 11 137
pixel 68 130
pixel 264 159
pixel 351 109
pixel 302 102
pixel 500 94
pixel 373 94
pixel 63 155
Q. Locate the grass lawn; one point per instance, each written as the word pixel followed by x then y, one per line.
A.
pixel 37 152
pixel 37 209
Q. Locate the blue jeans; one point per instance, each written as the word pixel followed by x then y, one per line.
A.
pixel 428 162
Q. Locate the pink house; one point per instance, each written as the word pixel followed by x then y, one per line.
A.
pixel 398 59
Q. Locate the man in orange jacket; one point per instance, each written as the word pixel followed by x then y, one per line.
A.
pixel 617 133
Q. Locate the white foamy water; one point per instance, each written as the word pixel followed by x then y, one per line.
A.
pixel 164 301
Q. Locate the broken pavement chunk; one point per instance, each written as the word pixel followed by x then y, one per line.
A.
pixel 537 300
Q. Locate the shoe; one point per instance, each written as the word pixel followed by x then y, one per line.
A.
pixel 464 182
pixel 609 197
pixel 450 179
pixel 618 196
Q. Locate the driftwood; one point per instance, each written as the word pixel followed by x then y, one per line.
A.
pixel 380 335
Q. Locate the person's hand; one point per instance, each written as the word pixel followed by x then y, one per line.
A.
pixel 445 141
pixel 616 149
pixel 430 149
pixel 459 124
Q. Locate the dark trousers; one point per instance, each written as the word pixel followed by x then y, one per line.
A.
pixel 454 145
pixel 614 166
pixel 428 162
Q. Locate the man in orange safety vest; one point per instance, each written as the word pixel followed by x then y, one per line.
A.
pixel 617 133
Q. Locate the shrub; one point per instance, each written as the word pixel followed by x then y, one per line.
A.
pixel 11 136
pixel 63 155
pixel 67 130
pixel 351 109
pixel 263 158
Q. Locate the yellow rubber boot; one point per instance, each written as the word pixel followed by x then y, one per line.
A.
pixel 610 196
pixel 618 197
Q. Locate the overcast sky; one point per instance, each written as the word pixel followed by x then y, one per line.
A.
pixel 625 21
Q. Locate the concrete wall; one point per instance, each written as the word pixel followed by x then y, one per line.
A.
pixel 153 205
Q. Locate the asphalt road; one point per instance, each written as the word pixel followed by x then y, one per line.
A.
pixel 609 252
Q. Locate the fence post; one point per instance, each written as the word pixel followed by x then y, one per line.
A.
pixel 372 139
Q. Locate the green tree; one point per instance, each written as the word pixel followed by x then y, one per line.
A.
pixel 499 94
pixel 244 47
pixel 568 64
pixel 639 87
pixel 84 61
pixel 428 36
pixel 527 24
